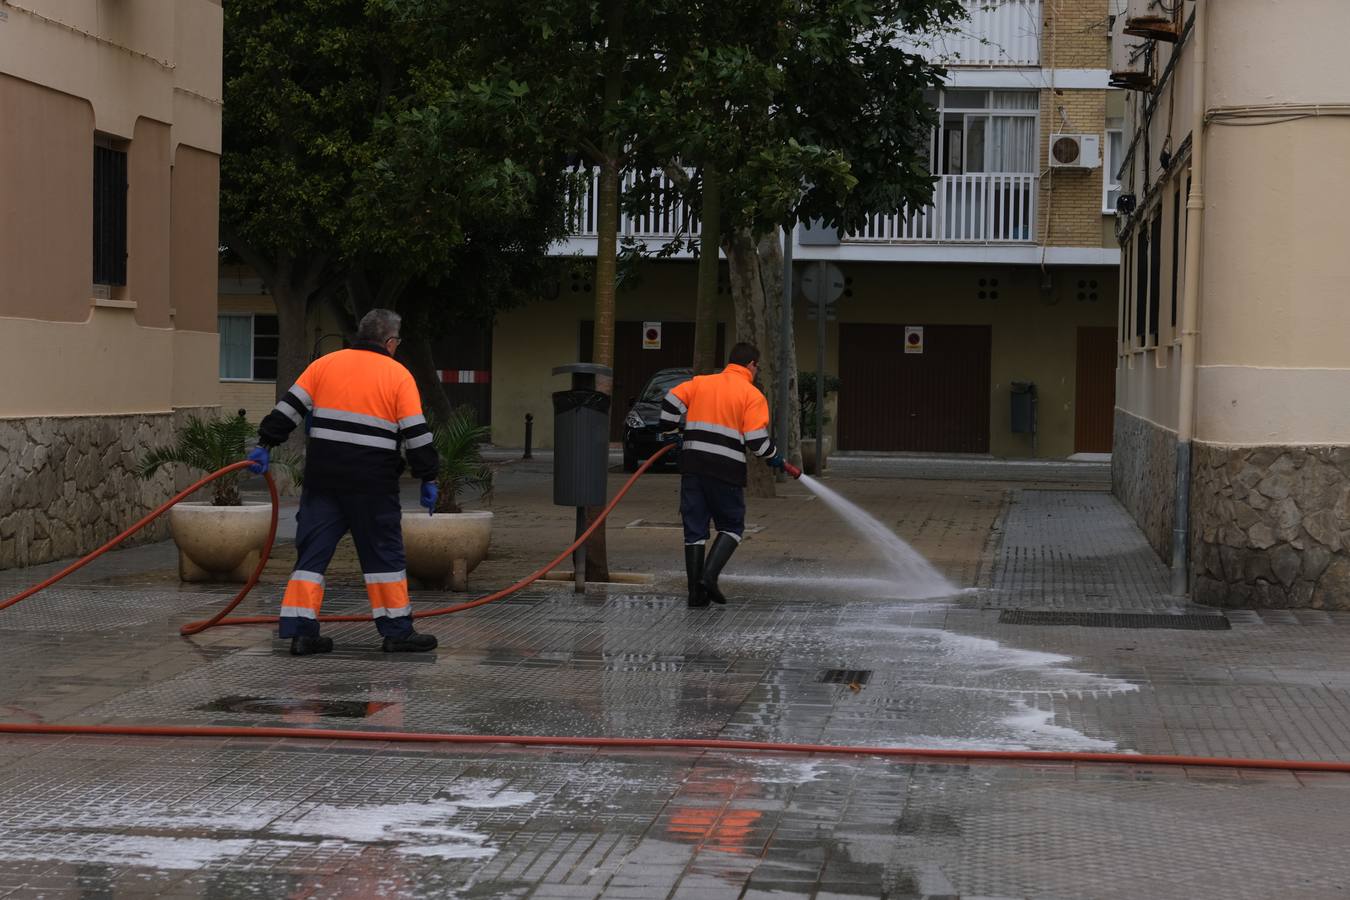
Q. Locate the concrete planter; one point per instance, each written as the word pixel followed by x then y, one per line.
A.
pixel 219 543
pixel 443 549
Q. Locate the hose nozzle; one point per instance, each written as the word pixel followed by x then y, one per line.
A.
pixel 792 470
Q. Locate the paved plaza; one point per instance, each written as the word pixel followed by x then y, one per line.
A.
pixel 1061 636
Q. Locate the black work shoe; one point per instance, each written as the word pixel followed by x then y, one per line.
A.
pixel 306 644
pixel 413 643
pixel 713 594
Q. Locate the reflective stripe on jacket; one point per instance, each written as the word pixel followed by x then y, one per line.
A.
pixel 363 407
pixel 725 415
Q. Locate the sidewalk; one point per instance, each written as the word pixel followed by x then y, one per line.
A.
pixel 816 647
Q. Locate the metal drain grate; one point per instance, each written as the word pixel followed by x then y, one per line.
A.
pixel 1186 621
pixel 844 676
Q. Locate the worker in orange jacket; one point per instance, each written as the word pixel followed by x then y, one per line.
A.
pixel 724 416
pixel 361 408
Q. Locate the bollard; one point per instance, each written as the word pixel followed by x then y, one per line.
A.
pixel 529 436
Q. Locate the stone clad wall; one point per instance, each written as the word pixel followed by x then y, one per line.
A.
pixel 1144 477
pixel 1271 526
pixel 68 484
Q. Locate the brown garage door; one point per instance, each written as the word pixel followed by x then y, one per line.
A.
pixel 1095 391
pixel 935 402
pixel 633 365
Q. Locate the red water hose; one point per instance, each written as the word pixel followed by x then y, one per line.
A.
pixel 422 737
pixel 219 618
pixel 155 514
pixel 324 734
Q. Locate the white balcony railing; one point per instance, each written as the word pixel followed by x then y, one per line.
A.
pixel 965 209
pixel 994 33
pixel 990 208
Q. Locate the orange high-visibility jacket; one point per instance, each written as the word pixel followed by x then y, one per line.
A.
pixel 725 414
pixel 362 408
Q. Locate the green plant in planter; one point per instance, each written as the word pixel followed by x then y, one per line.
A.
pixel 458 441
pixel 806 397
pixel 209 445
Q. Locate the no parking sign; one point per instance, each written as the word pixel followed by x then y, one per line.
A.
pixel 651 335
pixel 913 338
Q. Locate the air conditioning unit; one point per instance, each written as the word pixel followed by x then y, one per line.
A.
pixel 1075 151
pixel 1155 20
pixel 1130 60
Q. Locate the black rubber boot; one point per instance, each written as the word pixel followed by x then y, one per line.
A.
pixel 413 643
pixel 693 567
pixel 721 551
pixel 307 644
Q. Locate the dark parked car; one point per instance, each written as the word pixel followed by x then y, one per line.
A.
pixel 642 426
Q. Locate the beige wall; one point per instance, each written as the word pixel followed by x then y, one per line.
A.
pixel 146 73
pixel 103 365
pixel 129 58
pixel 1272 357
pixel 1034 337
pixel 46 210
pixel 148 226
pixel 1033 334
pixel 195 239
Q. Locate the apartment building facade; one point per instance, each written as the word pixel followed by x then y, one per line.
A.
pixel 1008 275
pixel 1232 435
pixel 109 150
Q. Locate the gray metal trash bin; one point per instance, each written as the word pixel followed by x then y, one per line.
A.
pixel 1023 407
pixel 580 438
pixel 580 447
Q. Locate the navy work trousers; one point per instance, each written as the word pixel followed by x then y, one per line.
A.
pixel 376 524
pixel 704 498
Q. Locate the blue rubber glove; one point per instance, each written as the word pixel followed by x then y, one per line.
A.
pixel 429 494
pixel 260 458
pixel 777 462
pixel 674 436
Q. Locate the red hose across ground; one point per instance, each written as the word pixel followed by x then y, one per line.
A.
pixel 155 514
pixel 420 737
pixel 219 618
pixel 325 734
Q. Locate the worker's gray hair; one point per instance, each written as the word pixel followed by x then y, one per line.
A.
pixel 378 325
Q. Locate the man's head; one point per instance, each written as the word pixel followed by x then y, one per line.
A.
pixel 380 326
pixel 744 354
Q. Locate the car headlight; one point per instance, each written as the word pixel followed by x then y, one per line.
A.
pixel 633 420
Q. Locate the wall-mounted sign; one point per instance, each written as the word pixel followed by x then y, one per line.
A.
pixel 913 338
pixel 651 335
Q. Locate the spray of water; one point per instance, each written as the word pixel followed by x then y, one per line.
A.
pixel 913 576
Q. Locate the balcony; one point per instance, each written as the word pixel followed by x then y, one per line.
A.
pixel 966 209
pixel 988 208
pixel 995 33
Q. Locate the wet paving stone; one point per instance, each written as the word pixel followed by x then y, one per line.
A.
pixel 109 816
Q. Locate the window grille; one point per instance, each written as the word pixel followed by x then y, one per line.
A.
pixel 110 216
pixel 1141 286
pixel 1155 275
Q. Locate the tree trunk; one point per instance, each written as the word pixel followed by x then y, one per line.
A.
pixel 415 353
pixel 756 269
pixel 293 349
pixel 709 264
pixel 607 254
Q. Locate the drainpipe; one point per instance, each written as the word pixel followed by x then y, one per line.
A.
pixel 1195 216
